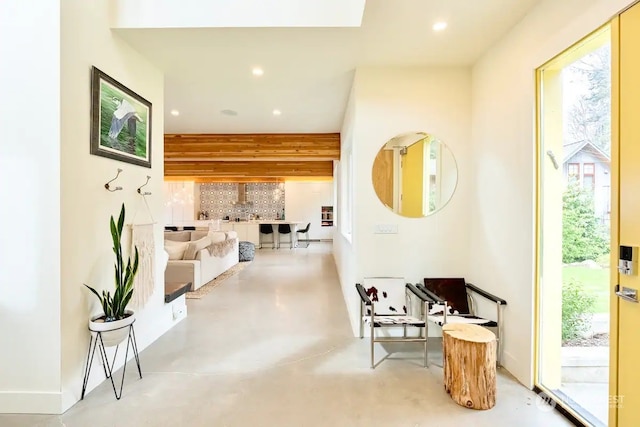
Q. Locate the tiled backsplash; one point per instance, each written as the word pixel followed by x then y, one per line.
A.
pixel 217 200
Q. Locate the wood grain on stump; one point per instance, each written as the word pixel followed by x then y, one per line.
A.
pixel 469 353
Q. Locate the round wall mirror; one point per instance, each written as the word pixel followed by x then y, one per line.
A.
pixel 414 174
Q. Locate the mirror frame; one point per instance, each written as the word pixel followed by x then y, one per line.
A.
pixel 387 178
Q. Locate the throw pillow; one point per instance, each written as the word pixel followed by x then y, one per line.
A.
pixel 231 235
pixel 168 242
pixel 175 249
pixel 178 236
pixel 197 235
pixel 217 236
pixel 195 247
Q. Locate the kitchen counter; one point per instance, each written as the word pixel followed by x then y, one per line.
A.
pixel 248 231
pixel 261 221
pixel 277 221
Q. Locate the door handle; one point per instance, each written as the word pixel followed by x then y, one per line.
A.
pixel 627 294
pixel 553 159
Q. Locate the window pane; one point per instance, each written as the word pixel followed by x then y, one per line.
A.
pixel 574 169
pixel 589 168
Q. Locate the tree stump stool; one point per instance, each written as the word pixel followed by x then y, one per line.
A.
pixel 469 361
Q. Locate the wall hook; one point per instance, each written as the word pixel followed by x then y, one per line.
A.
pixel 108 187
pixel 146 193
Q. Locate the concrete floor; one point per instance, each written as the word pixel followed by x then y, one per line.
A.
pixel 272 346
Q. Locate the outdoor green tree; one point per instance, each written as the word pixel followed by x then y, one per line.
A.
pixel 590 115
pixel 583 237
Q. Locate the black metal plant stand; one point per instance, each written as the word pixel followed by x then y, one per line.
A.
pixel 108 367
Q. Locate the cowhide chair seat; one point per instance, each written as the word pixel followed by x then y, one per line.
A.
pixel 457 296
pixel 392 301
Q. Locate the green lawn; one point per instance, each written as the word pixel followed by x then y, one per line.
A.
pixel 595 281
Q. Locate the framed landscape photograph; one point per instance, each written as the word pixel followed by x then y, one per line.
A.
pixel 120 121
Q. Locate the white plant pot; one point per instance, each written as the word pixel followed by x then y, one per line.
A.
pixel 113 333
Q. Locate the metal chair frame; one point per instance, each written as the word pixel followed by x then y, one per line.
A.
pixel 273 237
pixel 472 290
pixel 410 290
pixel 304 231
pixel 290 233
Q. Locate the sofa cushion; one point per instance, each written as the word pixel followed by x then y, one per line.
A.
pixel 196 246
pixel 217 236
pixel 177 236
pixel 231 235
pixel 175 250
pixel 199 234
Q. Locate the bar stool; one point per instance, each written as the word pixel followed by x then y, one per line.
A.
pixel 304 231
pixel 284 229
pixel 265 230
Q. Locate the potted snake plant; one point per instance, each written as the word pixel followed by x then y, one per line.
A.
pixel 115 319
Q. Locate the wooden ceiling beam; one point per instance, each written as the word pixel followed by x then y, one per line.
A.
pixel 249 169
pixel 242 179
pixel 251 147
pixel 217 179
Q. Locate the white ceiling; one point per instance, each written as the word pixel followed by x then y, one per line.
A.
pixel 308 71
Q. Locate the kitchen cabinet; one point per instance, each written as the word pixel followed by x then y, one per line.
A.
pixel 226 226
pixel 241 229
pixel 247 231
pixel 253 233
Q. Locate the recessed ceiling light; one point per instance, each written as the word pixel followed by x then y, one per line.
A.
pixel 175 112
pixel 257 71
pixel 277 112
pixel 229 112
pixel 439 26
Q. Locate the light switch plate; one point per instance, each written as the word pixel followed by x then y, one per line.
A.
pixel 386 229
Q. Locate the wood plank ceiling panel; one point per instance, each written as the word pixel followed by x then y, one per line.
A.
pixel 259 147
pixel 247 157
pixel 249 169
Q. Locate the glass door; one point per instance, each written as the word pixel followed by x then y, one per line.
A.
pixel 574 209
pixel 625 395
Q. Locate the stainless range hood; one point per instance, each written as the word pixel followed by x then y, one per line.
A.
pixel 242 196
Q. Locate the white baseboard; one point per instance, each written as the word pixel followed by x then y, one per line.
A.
pixel 30 402
pixel 508 363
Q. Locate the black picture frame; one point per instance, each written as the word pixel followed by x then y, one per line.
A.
pixel 120 121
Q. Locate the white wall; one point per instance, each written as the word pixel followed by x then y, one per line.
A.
pixel 303 202
pixel 503 195
pixel 30 207
pixel 389 102
pixel 344 253
pixel 86 206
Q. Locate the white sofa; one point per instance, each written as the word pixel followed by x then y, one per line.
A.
pixel 195 256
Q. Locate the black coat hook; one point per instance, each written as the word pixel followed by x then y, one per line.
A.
pixel 108 187
pixel 146 193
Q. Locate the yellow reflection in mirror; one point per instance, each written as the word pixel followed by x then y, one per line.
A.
pixel 414 174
